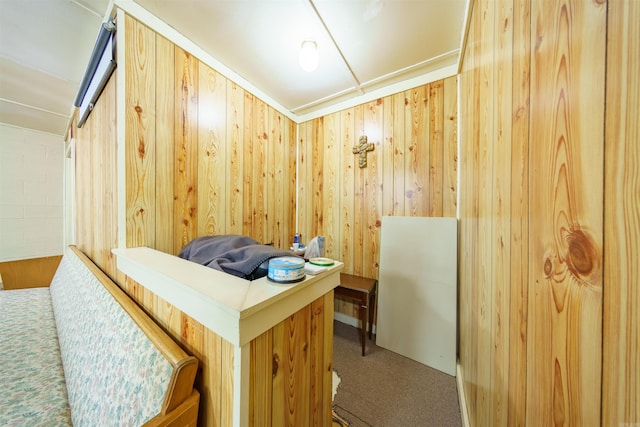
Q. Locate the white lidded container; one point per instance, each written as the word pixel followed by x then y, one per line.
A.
pixel 286 269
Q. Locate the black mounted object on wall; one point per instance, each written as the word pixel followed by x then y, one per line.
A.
pixel 101 66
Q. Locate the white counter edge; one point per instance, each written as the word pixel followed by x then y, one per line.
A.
pixel 236 309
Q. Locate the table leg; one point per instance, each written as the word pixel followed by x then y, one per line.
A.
pixel 364 314
pixel 372 299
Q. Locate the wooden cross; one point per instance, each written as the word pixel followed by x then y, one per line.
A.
pixel 361 150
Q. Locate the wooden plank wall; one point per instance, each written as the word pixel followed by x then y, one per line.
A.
pixel 204 156
pixel 411 172
pixel 621 327
pixel 538 207
pixel 96 182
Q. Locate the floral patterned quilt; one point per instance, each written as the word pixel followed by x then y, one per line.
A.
pixel 32 386
pixel 71 355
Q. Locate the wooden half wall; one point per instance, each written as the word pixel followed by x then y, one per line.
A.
pixel 411 172
pixel 549 214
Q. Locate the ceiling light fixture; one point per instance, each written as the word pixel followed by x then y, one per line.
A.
pixel 308 56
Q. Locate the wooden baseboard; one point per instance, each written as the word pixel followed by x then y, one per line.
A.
pixel 461 397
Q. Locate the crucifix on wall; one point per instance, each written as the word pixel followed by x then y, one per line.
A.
pixel 361 150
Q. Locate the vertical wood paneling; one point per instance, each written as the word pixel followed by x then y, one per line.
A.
pixel 140 106
pixel 186 149
pixel 260 156
pixel 165 147
pixel 519 257
pixel 329 190
pixel 212 156
pixel 276 213
pixel 450 149
pixel 565 276
pixel 621 353
pixel 416 153
pixel 317 161
pixel 372 209
pixel 347 171
pixel 247 160
pixel 348 202
pixel 500 218
pixel 399 105
pixel 235 165
pixel 359 200
pixel 316 360
pixel 550 193
pixel 210 386
pixel 261 375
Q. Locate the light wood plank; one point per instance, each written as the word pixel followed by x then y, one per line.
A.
pixel 450 159
pixel 212 156
pixel 186 150
pixel 436 147
pixel 140 113
pixel 261 372
pixel 235 164
pixel 564 362
pixel 29 273
pixel 621 334
pixel 165 146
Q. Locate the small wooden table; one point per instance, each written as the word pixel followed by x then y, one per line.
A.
pixel 363 290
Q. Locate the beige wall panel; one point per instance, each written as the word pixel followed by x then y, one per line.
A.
pixel 621 353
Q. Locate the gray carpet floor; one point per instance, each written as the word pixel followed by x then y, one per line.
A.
pixel 384 388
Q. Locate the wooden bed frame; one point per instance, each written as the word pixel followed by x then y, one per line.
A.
pixel 181 401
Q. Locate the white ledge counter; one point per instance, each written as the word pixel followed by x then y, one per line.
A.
pixel 236 309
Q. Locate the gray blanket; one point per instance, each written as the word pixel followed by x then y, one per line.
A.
pixel 238 255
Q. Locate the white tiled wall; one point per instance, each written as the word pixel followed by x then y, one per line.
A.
pixel 31 193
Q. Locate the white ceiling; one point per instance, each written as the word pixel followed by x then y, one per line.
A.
pixel 364 45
